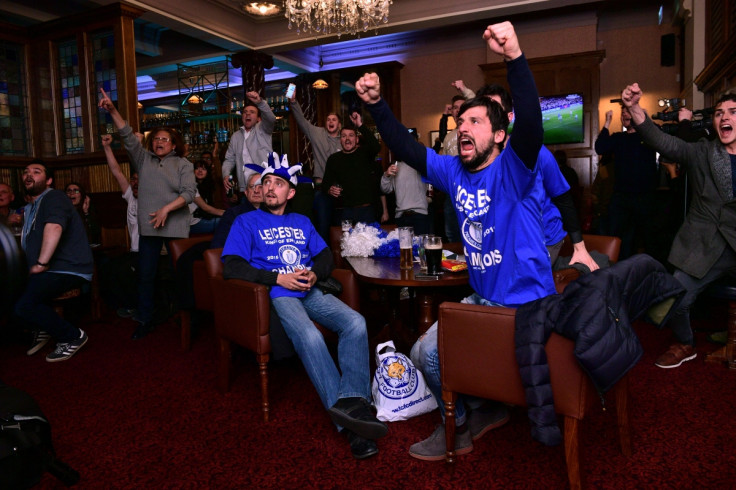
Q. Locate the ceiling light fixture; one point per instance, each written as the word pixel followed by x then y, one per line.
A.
pixel 320 84
pixel 339 16
pixel 263 9
pixel 195 99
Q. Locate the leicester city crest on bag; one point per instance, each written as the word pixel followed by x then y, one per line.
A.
pixel 399 389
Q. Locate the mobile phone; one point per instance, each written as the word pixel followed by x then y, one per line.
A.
pixel 290 91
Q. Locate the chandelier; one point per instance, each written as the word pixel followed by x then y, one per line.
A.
pixel 339 16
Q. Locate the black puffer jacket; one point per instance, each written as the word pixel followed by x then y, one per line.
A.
pixel 596 312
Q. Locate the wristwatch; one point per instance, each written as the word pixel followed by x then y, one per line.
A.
pixel 38 262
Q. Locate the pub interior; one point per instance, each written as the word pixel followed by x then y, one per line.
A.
pixel 189 64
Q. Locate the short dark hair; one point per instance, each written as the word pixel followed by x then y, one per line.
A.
pixel 496 114
pixel 723 98
pixel 350 127
pixel 250 103
pixel 37 161
pixel 456 98
pixel 491 89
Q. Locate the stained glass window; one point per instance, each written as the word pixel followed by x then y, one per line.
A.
pixel 71 97
pixel 103 62
pixel 14 138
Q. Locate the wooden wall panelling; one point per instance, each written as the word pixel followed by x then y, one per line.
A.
pixel 562 74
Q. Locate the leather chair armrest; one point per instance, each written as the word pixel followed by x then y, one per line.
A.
pixel 350 289
pixel 242 312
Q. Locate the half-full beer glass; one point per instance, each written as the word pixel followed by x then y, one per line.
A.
pixel 406 240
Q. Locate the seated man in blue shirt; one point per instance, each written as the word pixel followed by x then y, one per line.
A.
pixel 284 251
pixel 498 197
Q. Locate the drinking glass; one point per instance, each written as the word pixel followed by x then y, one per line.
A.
pixel 406 240
pixel 420 239
pixel 433 254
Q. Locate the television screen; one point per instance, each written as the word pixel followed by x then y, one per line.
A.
pixel 562 118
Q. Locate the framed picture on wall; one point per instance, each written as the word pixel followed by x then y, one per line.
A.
pixel 433 136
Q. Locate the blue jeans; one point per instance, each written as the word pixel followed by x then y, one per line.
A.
pixel 34 306
pixel 204 226
pixel 426 358
pixel 296 315
pixel 680 320
pixel 149 252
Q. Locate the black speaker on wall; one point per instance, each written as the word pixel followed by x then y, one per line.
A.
pixel 667 50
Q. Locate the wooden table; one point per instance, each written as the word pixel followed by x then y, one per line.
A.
pixel 385 271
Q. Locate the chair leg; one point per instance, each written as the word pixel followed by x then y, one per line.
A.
pixel 224 367
pixel 731 340
pixel 621 392
pixel 449 398
pixel 263 369
pixel 727 353
pixel 572 452
pixel 185 317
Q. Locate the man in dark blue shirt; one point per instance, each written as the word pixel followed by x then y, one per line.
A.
pixel 55 243
pixel 635 167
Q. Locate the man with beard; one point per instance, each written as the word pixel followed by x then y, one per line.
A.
pixel 354 175
pixel 284 251
pixel 705 246
pixel 498 200
pixel 252 143
pixel 60 259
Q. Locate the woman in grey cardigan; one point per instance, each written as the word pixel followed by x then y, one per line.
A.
pixel 166 186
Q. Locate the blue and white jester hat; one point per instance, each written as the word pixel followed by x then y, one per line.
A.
pixel 281 168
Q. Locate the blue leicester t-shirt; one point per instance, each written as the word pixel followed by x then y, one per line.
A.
pixel 554 185
pixel 281 243
pixel 499 210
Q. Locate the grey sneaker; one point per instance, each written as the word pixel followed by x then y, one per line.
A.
pixel 489 416
pixel 433 448
pixel 40 338
pixel 66 350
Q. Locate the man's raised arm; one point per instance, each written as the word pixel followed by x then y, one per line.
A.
pixel 394 134
pixel 528 131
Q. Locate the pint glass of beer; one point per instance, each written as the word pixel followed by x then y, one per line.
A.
pixel 433 254
pixel 406 240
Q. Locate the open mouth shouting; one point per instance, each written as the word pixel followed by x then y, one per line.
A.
pixel 466 147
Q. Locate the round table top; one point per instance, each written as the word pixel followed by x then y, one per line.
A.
pixel 385 271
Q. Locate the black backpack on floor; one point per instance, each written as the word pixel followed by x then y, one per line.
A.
pixel 26 451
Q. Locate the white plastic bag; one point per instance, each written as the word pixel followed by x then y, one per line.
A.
pixel 399 389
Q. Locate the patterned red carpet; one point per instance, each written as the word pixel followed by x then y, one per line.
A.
pixel 143 414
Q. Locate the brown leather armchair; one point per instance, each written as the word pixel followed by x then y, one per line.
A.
pixel 242 316
pixel 477 352
pixel 607 245
pixel 202 291
pixel 478 357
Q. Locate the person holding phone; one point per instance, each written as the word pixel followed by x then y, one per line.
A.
pixel 252 143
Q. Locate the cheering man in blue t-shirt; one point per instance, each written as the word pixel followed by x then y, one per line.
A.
pixel 284 251
pixel 498 199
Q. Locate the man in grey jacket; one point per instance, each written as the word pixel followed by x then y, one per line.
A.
pixel 252 143
pixel 705 246
pixel 325 141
